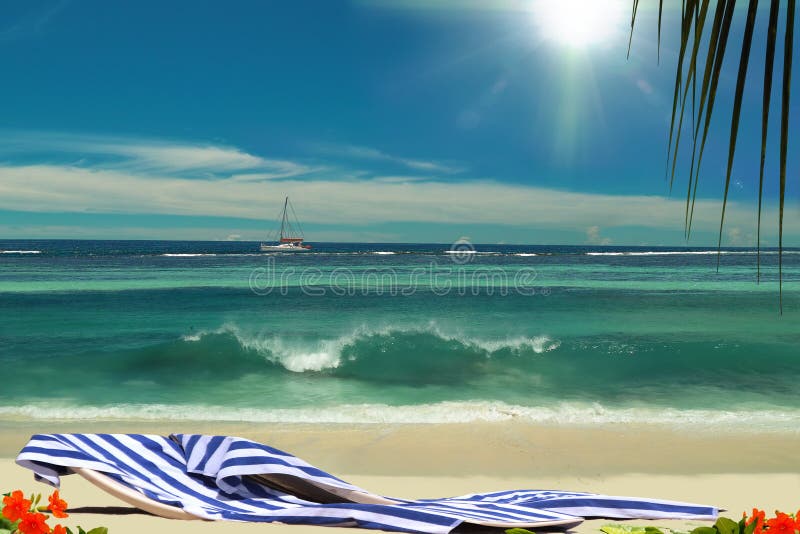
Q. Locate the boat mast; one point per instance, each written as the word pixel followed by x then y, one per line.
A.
pixel 283 220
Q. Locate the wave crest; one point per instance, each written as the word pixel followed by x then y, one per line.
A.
pixel 389 353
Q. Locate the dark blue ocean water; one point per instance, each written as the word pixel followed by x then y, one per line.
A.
pixel 397 332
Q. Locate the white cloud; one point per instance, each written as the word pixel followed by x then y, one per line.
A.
pixel 368 153
pixel 593 236
pixel 182 157
pixel 147 156
pixel 49 188
pixel 154 177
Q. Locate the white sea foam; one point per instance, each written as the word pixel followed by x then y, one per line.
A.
pixel 688 252
pixel 563 414
pixel 476 252
pixel 384 252
pixel 538 344
pixel 20 251
pixel 186 255
pixel 317 355
pixel 525 254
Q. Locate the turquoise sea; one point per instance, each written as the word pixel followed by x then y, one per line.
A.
pixel 398 333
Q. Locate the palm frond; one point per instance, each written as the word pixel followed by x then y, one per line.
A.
pixel 716 35
pixel 769 61
pixel 687 21
pixel 633 22
pixel 744 59
pixel 658 51
pixel 705 92
pixel 699 22
pixel 787 84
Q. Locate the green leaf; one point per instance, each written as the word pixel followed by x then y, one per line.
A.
pixel 660 12
pixel 98 530
pixel 707 97
pixel 769 62
pixel 687 20
pixel 726 526
pixel 704 530
pixel 633 21
pixel 741 526
pixel 750 528
pixel 518 531
pixel 787 84
pixel 700 18
pixel 747 40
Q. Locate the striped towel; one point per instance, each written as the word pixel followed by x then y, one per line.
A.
pixel 217 477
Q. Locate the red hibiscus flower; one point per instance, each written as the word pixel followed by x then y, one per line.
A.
pixel 34 523
pixel 58 507
pixel 759 517
pixel 15 506
pixel 781 524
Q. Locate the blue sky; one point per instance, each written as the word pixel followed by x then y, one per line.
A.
pixel 392 120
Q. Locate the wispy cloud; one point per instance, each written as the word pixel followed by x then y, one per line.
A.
pixel 33 22
pixel 373 154
pixel 147 156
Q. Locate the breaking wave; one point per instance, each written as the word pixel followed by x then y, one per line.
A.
pixel 404 353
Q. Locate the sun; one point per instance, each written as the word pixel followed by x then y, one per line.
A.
pixel 579 23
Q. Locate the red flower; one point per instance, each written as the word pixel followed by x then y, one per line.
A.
pixel 34 523
pixel 758 516
pixel 15 506
pixel 781 524
pixel 58 529
pixel 57 506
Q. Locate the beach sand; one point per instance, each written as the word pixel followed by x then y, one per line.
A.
pixel 735 471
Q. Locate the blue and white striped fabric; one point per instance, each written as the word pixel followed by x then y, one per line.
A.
pixel 215 477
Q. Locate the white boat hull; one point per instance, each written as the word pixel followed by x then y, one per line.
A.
pixel 283 248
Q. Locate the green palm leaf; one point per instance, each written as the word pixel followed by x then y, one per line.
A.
pixel 787 84
pixel 687 21
pixel 724 30
pixel 747 40
pixel 716 35
pixel 772 32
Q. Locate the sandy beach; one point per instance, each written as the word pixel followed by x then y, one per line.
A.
pixel 734 471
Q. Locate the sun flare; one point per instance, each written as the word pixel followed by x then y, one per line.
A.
pixel 578 23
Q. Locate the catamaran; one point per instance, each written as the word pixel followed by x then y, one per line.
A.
pixel 291 235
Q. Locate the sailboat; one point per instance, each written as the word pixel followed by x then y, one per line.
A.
pixel 291 236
